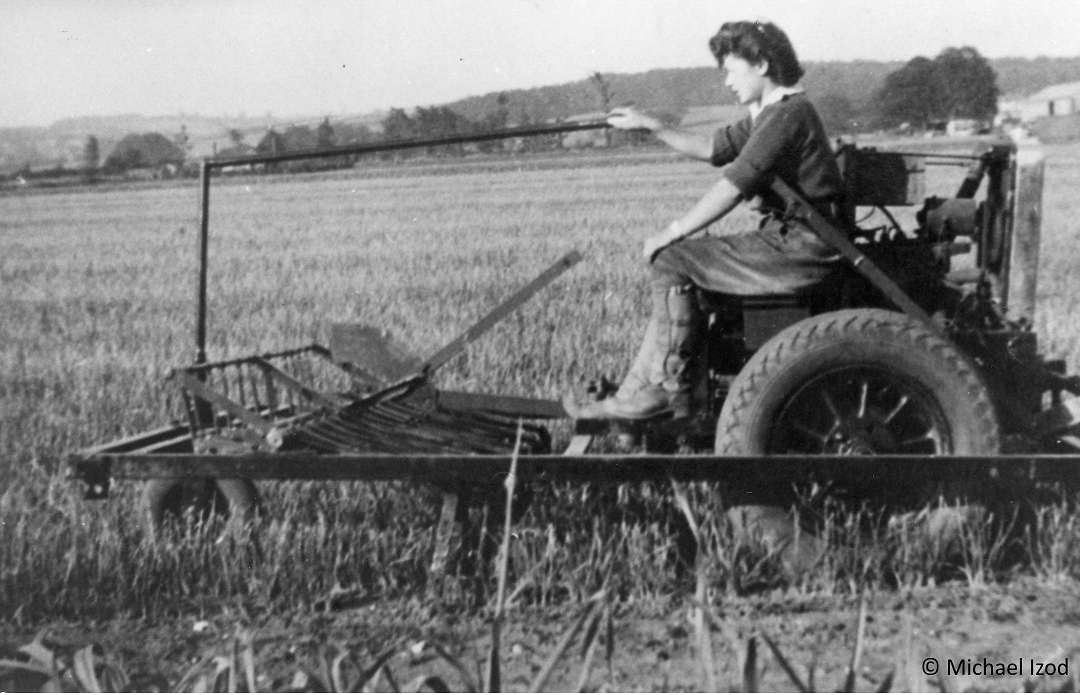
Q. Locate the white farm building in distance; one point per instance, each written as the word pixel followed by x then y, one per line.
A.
pixel 1052 113
pixel 1056 100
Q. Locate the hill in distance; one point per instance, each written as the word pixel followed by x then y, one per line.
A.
pixel 663 92
pixel 675 90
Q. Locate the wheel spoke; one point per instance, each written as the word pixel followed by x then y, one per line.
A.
pixel 862 398
pixel 858 409
pixel 837 417
pixel 809 432
pixel 930 435
pixel 895 411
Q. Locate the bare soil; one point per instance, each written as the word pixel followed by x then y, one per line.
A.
pixel 1023 623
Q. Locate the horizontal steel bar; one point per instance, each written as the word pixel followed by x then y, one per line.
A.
pixel 950 163
pixel 249 359
pixel 138 441
pixel 929 155
pixel 467 468
pixel 410 143
pixel 509 406
pixel 180 444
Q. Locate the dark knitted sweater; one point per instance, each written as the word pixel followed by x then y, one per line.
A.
pixel 787 140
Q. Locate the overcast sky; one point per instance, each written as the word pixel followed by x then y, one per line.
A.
pixel 63 58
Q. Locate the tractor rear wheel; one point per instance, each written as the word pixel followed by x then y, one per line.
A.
pixel 853 382
pixel 858 382
pixel 167 500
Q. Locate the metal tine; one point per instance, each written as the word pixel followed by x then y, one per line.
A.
pixel 375 418
pixel 359 437
pixel 222 381
pixel 446 435
pixel 335 441
pixel 367 430
pixel 354 435
pixel 285 365
pixel 192 415
pixel 192 412
pixel 253 385
pixel 455 420
pixel 304 374
pixel 318 430
pixel 227 375
pixel 354 444
pixel 387 424
pixel 383 414
pixel 217 378
pixel 303 368
pixel 489 426
pixel 245 387
pixel 370 434
pixel 288 367
pixel 271 392
pixel 454 423
pixel 418 440
pixel 315 440
pixel 501 437
pixel 240 390
pixel 387 415
pixel 296 371
pixel 506 428
pixel 466 432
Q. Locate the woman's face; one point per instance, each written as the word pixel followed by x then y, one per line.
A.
pixel 746 79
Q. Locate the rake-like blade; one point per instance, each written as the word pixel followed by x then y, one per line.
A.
pixel 411 422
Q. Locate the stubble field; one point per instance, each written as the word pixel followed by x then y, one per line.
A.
pixel 97 298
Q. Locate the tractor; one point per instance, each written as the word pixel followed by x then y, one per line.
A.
pixel 914 361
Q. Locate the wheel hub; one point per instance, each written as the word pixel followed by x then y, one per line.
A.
pixel 863 435
pixel 860 411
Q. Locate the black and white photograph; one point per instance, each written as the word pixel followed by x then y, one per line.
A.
pixel 539 346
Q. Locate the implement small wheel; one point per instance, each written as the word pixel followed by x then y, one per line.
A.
pixel 858 382
pixel 171 499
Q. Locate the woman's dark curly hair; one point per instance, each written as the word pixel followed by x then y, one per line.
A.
pixel 755 42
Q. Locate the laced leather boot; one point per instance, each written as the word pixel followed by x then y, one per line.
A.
pixel 658 383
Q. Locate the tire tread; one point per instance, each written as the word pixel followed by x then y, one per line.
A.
pixel 802 337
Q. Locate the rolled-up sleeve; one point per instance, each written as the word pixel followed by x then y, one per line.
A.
pixel 729 140
pixel 766 144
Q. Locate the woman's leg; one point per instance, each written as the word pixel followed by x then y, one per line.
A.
pixel 658 381
pixel 770 260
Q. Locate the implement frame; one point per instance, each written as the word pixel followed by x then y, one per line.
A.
pixel 168 452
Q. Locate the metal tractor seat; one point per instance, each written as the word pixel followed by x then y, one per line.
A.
pixel 916 265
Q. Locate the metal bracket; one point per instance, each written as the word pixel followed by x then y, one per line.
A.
pixel 444 535
pixel 799 209
pixel 95 475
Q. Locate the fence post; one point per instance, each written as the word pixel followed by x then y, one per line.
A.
pixel 1027 221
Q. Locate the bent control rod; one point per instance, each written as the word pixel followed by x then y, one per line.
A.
pixel 208 165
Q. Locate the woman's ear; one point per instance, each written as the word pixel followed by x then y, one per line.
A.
pixel 761 68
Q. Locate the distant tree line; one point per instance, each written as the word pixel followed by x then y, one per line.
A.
pixel 423 123
pixel 851 96
pixel 439 122
pixel 958 83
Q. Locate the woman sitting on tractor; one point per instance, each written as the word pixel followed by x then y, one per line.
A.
pixel 782 136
